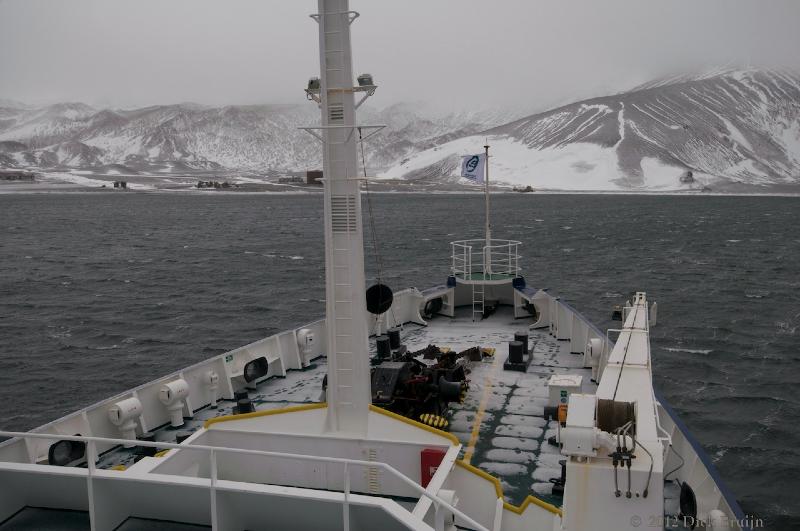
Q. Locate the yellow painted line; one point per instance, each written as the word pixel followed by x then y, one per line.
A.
pixel 476 425
pixel 305 407
pixel 498 489
pixel 535 501
pixel 264 413
pixel 449 436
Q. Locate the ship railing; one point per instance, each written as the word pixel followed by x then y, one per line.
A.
pixel 475 260
pixel 439 504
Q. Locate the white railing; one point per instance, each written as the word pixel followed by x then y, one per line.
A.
pixel 91 458
pixel 474 257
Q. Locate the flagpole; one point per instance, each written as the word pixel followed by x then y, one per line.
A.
pixel 487 249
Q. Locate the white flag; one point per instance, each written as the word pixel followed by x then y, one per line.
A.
pixel 472 167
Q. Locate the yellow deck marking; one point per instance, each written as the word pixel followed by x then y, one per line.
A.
pixel 476 425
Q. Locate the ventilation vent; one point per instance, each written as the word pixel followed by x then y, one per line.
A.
pixel 373 479
pixel 336 112
pixel 343 212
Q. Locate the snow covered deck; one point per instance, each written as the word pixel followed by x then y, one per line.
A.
pixel 501 421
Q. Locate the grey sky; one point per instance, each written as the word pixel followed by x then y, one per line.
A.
pixel 489 53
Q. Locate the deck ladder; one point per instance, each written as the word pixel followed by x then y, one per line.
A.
pixel 344 315
pixel 478 300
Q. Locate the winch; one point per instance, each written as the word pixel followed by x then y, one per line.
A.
pixel 417 389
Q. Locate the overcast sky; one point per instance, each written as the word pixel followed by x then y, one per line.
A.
pixel 462 52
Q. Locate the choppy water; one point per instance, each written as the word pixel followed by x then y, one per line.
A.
pixel 101 292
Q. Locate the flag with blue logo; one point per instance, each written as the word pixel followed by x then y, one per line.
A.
pixel 472 167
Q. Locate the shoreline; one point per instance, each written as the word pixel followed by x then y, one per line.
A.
pixel 58 189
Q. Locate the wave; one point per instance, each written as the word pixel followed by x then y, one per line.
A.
pixel 112 347
pixel 756 295
pixel 689 350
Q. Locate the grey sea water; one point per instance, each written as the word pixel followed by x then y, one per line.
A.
pixel 102 292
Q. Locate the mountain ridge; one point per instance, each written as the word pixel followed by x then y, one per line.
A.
pixel 731 128
pixel 727 127
pixel 262 137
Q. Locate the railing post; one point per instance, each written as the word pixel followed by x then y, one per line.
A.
pixel 90 469
pixel 346 506
pixel 442 508
pixel 213 489
pixel 438 518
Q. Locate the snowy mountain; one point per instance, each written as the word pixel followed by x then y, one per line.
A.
pixel 730 129
pixel 263 138
pixel 727 129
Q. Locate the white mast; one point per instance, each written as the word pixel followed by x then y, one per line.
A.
pixel 347 351
pixel 487 252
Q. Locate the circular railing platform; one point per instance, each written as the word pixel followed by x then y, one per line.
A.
pixel 474 260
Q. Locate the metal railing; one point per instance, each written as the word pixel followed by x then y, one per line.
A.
pixel 91 458
pixel 475 257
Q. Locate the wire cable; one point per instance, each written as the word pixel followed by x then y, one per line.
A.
pixel 622 366
pixel 677 467
pixel 649 473
pixel 375 251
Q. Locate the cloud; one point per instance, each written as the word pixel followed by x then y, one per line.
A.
pixel 467 52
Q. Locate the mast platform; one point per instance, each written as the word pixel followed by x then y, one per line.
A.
pixel 484 265
pixel 473 261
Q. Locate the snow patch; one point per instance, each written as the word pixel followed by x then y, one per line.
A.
pixel 737 135
pixel 575 166
pixel 503 469
pixel 621 124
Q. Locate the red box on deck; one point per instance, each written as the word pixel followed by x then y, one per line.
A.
pixel 430 459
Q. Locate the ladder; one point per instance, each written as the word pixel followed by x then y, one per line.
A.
pixel 343 338
pixel 478 300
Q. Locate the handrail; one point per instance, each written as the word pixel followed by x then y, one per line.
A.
pixel 90 452
pixel 498 257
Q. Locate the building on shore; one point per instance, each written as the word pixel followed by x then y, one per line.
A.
pixel 17 176
pixel 314 177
